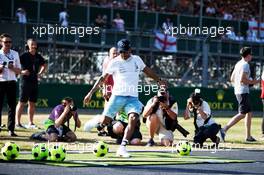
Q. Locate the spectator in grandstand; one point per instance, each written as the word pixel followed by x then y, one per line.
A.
pixel 204 124
pixel 21 16
pixel 9 68
pixel 125 69
pixel 241 79
pixel 227 15
pixel 252 35
pixel 231 34
pixel 117 127
pixel 56 130
pixel 239 37
pixel 159 109
pixel 33 66
pixel 64 18
pixel 262 98
pixel 119 23
pixel 99 22
pixel 210 10
pixel 167 26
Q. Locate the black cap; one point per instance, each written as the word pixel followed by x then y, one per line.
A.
pixel 123 45
pixel 245 51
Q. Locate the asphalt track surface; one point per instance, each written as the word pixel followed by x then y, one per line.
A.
pixel 231 168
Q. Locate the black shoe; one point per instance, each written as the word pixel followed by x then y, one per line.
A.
pixel 251 139
pixel 119 140
pixel 150 142
pixel 12 134
pixel 216 143
pixel 102 133
pixel 19 126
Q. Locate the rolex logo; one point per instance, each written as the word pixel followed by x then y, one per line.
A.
pixel 220 95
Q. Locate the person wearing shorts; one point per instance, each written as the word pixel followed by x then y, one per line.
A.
pixel 33 65
pixel 125 69
pixel 241 80
pixel 155 112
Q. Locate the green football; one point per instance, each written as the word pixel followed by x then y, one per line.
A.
pixel 40 152
pixel 100 149
pixel 10 151
pixel 183 148
pixel 57 153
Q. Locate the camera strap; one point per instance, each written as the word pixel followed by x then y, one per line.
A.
pixel 194 120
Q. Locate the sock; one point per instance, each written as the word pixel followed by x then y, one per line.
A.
pixel 100 126
pixel 124 142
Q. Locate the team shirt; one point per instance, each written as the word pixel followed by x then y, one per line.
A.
pixel 7 74
pixel 241 67
pixel 126 75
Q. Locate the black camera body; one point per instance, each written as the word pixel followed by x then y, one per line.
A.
pixel 73 108
pixel 4 64
pixel 162 99
pixel 7 63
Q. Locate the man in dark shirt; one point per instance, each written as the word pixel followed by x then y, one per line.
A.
pixel 33 65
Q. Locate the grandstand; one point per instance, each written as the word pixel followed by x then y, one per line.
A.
pixel 199 60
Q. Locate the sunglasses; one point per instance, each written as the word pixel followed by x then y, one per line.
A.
pixel 7 42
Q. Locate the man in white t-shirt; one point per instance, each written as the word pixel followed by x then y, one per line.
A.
pixel 156 111
pixel 125 70
pixel 21 15
pixel 205 126
pixel 63 18
pixel 119 23
pixel 9 67
pixel 241 80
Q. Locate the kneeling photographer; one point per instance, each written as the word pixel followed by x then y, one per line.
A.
pixel 205 126
pixel 117 127
pixel 161 112
pixel 56 130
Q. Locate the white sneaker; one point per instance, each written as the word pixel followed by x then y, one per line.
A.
pixel 31 126
pixel 122 152
pixel 89 125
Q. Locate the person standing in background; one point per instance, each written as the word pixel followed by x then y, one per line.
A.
pixel 9 68
pixel 33 66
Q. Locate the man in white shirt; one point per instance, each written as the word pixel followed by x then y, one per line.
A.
pixel 125 69
pixel 156 111
pixel 119 23
pixel 21 15
pixel 9 68
pixel 63 18
pixel 241 80
pixel 205 126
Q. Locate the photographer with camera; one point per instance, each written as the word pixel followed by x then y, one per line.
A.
pixel 9 68
pixel 161 112
pixel 117 127
pixel 55 124
pixel 205 126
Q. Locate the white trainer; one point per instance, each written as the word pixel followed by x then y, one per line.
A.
pixel 122 152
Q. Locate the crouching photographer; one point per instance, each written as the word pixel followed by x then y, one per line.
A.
pixel 161 112
pixel 56 130
pixel 117 127
pixel 205 126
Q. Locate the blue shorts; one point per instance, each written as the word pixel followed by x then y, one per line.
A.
pixel 127 103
